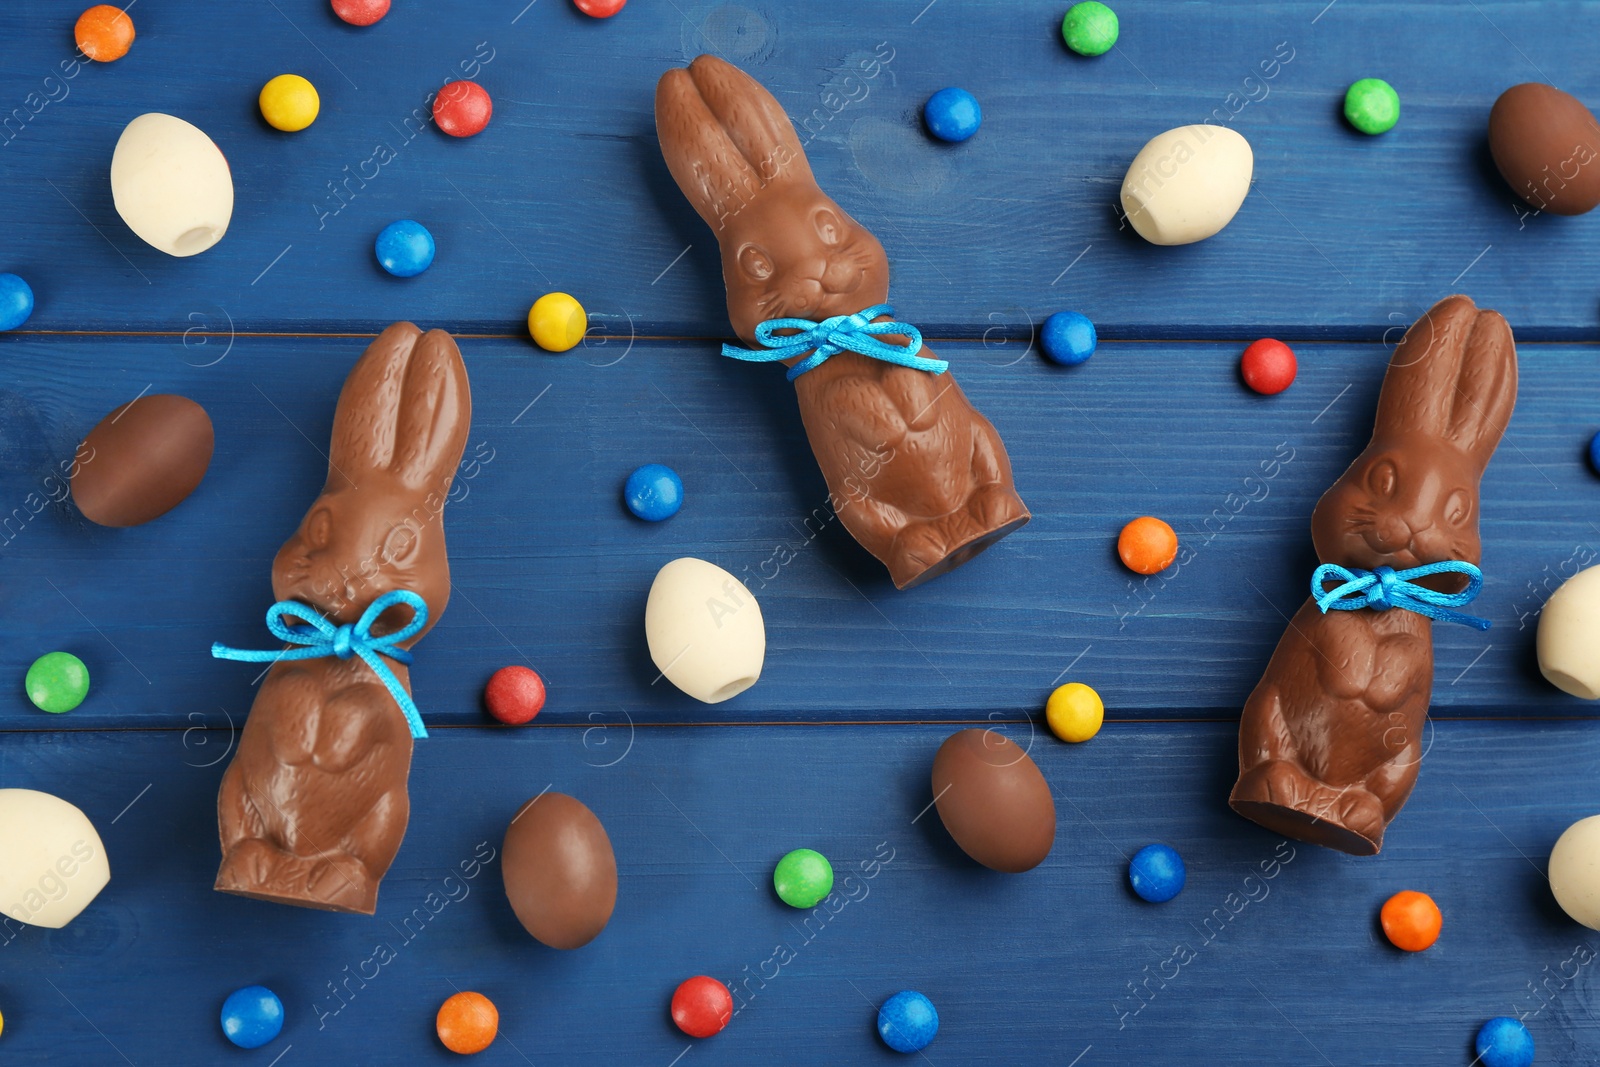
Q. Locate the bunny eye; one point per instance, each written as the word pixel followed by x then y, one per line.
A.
pixel 1382 477
pixel 829 227
pixel 755 263
pixel 401 544
pixel 1458 508
pixel 319 528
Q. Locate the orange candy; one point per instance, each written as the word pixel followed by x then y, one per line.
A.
pixel 104 33
pixel 1147 545
pixel 1411 920
pixel 467 1023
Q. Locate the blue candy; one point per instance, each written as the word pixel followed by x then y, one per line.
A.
pixel 654 492
pixel 1157 873
pixel 1594 453
pixel 1068 338
pixel 16 302
pixel 907 1021
pixel 405 248
pixel 1504 1042
pixel 952 114
pixel 252 1016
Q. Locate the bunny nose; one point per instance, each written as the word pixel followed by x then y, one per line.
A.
pixel 1391 534
pixel 328 582
pixel 804 296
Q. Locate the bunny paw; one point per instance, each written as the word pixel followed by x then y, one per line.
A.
pixel 1280 796
pixel 917 549
pixel 995 506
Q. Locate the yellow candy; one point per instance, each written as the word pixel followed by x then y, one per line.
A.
pixel 1075 712
pixel 557 322
pixel 289 103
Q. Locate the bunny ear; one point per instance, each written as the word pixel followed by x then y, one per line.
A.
pixel 754 121
pixel 1418 393
pixel 724 137
pixel 435 412
pixel 364 422
pixel 1454 377
pixel 1486 389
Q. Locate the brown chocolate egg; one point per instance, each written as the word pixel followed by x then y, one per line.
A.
pixel 142 460
pixel 994 801
pixel 560 872
pixel 1547 146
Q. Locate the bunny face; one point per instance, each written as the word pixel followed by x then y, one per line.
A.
pixel 798 255
pixel 347 553
pixel 1392 510
pixel 398 434
pixel 788 251
pixel 1412 497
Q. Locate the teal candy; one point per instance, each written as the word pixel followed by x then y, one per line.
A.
pixel 803 878
pixel 57 682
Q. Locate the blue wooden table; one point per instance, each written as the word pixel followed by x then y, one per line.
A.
pixel 1342 242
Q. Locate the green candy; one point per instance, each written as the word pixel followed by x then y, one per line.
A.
pixel 1090 28
pixel 1372 106
pixel 802 878
pixel 57 682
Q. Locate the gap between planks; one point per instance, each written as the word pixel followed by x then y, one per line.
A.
pixel 708 724
pixel 1243 339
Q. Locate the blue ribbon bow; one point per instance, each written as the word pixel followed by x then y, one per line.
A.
pixel 1386 588
pixel 842 333
pixel 322 638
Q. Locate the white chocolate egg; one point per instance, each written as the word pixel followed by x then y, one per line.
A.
pixel 52 863
pixel 1187 184
pixel 705 630
pixel 1569 636
pixel 1575 871
pixel 171 184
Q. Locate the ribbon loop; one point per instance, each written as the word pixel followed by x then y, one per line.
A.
pixel 317 637
pixel 842 333
pixel 1384 587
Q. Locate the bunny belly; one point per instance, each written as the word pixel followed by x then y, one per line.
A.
pixel 313 807
pixel 1353 688
pixel 1330 741
pixel 868 421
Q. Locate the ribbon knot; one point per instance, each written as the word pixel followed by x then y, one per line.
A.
pixel 1387 593
pixel 1384 587
pixel 842 333
pixel 318 637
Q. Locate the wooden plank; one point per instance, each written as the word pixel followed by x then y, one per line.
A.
pixel 1289 969
pixel 1343 236
pixel 551 570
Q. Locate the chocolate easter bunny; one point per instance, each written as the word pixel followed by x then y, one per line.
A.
pixel 915 473
pixel 314 806
pixel 1331 739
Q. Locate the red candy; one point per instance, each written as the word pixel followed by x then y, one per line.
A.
pixel 462 109
pixel 514 695
pixel 600 9
pixel 361 12
pixel 1268 366
pixel 702 1006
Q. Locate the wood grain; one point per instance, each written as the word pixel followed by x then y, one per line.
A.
pixel 550 569
pixel 1032 968
pixel 1343 236
pixel 1343 241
